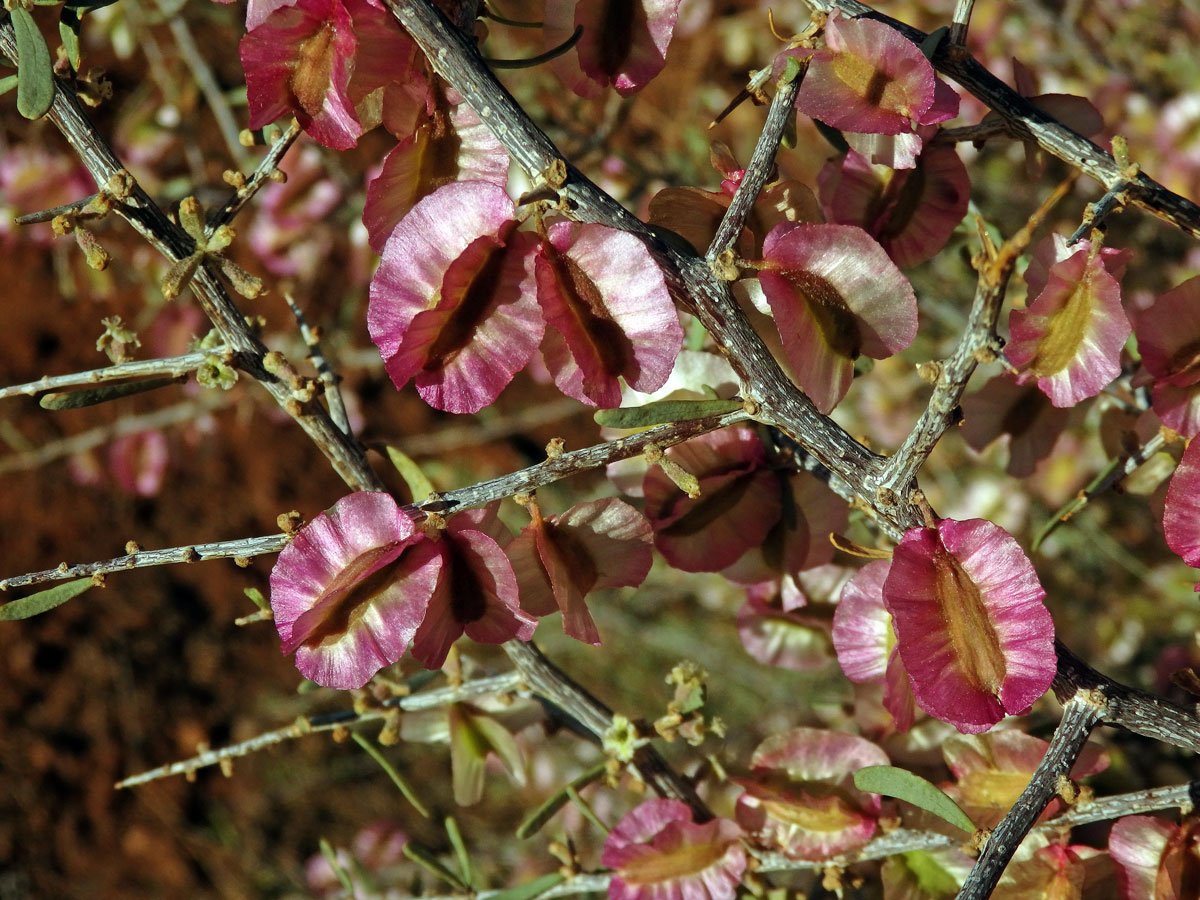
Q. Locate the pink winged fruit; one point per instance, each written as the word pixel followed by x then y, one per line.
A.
pixel 971 628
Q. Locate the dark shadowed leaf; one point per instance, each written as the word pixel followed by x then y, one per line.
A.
pixel 661 411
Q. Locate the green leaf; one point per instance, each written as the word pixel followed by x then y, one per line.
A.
pixel 835 138
pixel 904 785
pixel 418 484
pixel 460 848
pixel 473 735
pixel 7 83
pixel 468 750
pixel 929 46
pixel 257 596
pixel 530 890
pixel 331 857
pixel 930 875
pixel 102 394
pixel 397 778
pixel 793 69
pixel 425 858
pixel 68 33
pixel 661 411
pixel 588 813
pixel 35 76
pixel 43 601
pixel 534 821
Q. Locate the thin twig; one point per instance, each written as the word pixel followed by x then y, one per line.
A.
pixel 1112 475
pixel 262 174
pixel 172 366
pixel 497 684
pixel 447 503
pixel 202 72
pixel 976 134
pixel 243 548
pixel 46 215
pixel 472 433
pixel 556 468
pixel 329 378
pixel 962 20
pixel 546 680
pixel 1112 201
pixel 1080 715
pixel 1134 803
pixel 762 161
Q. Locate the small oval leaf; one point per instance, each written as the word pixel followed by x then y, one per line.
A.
pixel 904 785
pixel 35 77
pixel 43 601
pixel 662 411
pixel 68 32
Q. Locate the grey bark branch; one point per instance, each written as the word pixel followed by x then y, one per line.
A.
pixel 978 341
pixel 549 682
pixel 1080 714
pixel 497 684
pixel 149 368
pixel 900 470
pixel 759 168
pixel 449 502
pixel 243 548
pixel 1129 708
pixel 263 173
